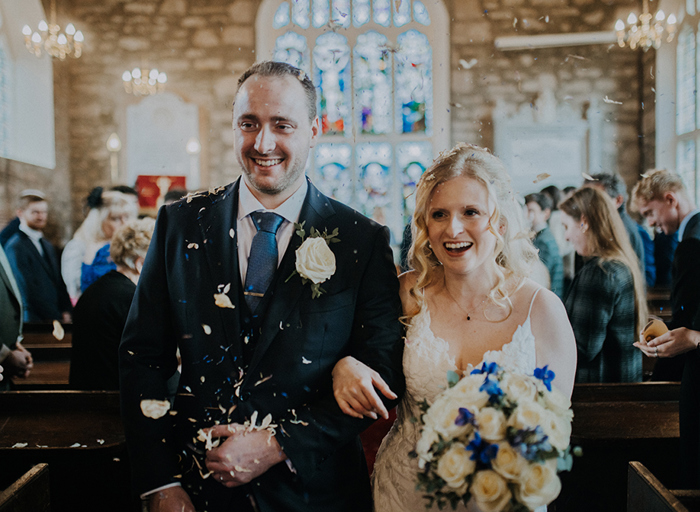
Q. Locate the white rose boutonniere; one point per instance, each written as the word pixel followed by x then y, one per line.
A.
pixel 315 262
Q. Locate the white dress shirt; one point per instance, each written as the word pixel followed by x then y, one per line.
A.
pixel 247 204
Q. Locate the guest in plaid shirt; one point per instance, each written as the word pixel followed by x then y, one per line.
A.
pixel 606 303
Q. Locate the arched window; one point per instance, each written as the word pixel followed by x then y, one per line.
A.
pixel 381 72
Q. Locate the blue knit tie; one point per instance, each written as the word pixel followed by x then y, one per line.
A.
pixel 262 262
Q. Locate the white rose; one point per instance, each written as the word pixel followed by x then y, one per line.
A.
pixel 455 465
pixel 508 462
pixel 519 387
pixel 490 491
pixel 466 392
pixel 491 423
pixel 557 401
pixel 558 428
pixel 527 415
pixel 427 438
pixel 539 485
pixel 154 408
pixel 442 415
pixel 315 260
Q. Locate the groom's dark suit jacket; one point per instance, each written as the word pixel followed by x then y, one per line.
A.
pixel 193 256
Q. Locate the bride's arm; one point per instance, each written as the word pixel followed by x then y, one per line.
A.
pixel 554 339
pixel 354 386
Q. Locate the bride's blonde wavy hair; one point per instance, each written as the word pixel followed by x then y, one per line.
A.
pixel 514 253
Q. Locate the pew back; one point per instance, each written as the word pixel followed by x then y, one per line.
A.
pixel 645 493
pixel 29 492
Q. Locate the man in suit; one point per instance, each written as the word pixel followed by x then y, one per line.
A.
pixel 17 360
pixel 539 208
pixel 662 199
pixel 35 264
pixel 258 346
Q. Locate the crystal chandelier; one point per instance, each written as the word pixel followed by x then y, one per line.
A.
pixel 52 40
pixel 142 81
pixel 647 31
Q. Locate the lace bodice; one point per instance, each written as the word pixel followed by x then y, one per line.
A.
pixel 426 361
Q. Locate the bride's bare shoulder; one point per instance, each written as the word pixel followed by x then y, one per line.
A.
pixel 407 280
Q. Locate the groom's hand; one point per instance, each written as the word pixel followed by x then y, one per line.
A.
pixel 171 499
pixel 242 456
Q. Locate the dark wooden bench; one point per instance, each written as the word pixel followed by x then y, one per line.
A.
pixel 645 493
pixel 614 424
pixel 51 358
pixel 29 493
pixel 80 435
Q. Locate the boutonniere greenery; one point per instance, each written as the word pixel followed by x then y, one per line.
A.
pixel 315 262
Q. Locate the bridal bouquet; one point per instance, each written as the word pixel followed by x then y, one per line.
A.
pixel 497 436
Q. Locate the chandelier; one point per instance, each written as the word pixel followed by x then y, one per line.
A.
pixel 647 30
pixel 143 82
pixel 52 40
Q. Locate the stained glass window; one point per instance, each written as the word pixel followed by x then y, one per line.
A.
pixel 291 48
pixel 300 13
pixel 372 62
pixel 373 83
pixel 413 82
pixel 412 159
pixel 374 183
pixel 333 171
pixel 332 77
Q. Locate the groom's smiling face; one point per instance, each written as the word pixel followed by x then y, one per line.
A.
pixel 273 134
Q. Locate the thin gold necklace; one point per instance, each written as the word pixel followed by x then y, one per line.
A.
pixel 476 308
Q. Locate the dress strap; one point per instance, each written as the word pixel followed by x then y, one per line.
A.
pixel 534 295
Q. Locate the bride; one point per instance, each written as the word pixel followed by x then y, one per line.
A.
pixel 468 300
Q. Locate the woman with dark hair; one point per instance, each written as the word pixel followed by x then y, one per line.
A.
pixel 468 300
pixel 606 302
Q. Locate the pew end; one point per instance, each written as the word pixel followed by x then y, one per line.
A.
pixel 30 492
pixel 645 493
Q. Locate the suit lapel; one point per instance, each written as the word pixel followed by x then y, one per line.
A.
pixel 217 223
pixel 285 294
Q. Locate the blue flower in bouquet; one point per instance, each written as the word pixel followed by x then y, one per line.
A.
pixel 464 417
pixel 531 443
pixel 482 451
pixel 545 375
pixel 493 389
pixel 487 368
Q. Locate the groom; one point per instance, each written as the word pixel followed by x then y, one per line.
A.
pixel 219 283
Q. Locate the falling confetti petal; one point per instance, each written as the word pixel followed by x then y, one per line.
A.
pixel 19 445
pixel 304 360
pixel 75 445
pixel 100 441
pixel 154 408
pixel 58 331
pixel 231 233
pixel 608 100
pixel 223 301
pixel 468 65
pixel 588 177
pixel 207 329
pixel 193 246
pixel 542 176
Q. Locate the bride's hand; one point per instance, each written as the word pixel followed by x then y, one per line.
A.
pixel 354 386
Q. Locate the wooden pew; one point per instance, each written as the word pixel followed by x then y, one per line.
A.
pixel 80 435
pixel 51 358
pixel 29 493
pixel 614 424
pixel 645 493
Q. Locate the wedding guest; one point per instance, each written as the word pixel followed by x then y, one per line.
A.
pixel 100 314
pixel 86 257
pixel 661 197
pixel 613 186
pixel 257 340
pixel 35 265
pixel 606 303
pixel 15 358
pixel 539 208
pixel 566 250
pixel 468 301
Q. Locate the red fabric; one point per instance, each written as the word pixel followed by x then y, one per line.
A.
pixel 372 438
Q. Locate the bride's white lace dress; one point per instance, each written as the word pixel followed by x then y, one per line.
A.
pixel 426 361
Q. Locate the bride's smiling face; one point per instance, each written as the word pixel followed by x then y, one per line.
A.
pixel 458 225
